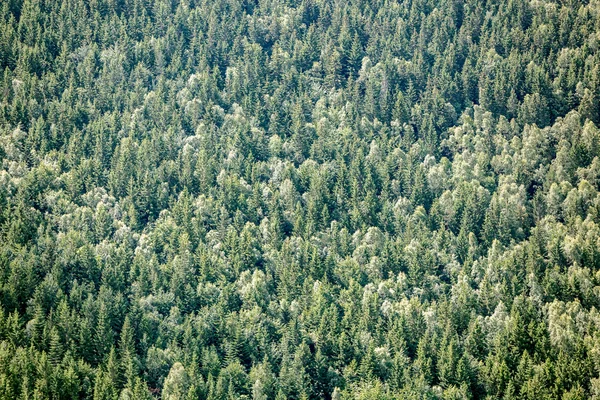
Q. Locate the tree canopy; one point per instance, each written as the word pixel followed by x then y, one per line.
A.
pixel 311 199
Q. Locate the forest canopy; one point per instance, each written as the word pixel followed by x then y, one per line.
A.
pixel 311 199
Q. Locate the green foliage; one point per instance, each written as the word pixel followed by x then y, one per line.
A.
pixel 299 199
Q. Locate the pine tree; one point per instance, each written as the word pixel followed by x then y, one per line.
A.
pixel 103 334
pixel 55 351
pixel 127 354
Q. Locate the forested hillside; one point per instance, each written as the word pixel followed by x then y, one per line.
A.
pixel 279 199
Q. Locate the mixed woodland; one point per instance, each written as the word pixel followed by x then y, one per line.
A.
pixel 299 199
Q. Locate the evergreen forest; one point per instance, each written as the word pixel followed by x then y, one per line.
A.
pixel 299 199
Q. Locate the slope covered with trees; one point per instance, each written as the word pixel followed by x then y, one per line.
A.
pixel 362 199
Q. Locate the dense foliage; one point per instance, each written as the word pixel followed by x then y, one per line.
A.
pixel 361 199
